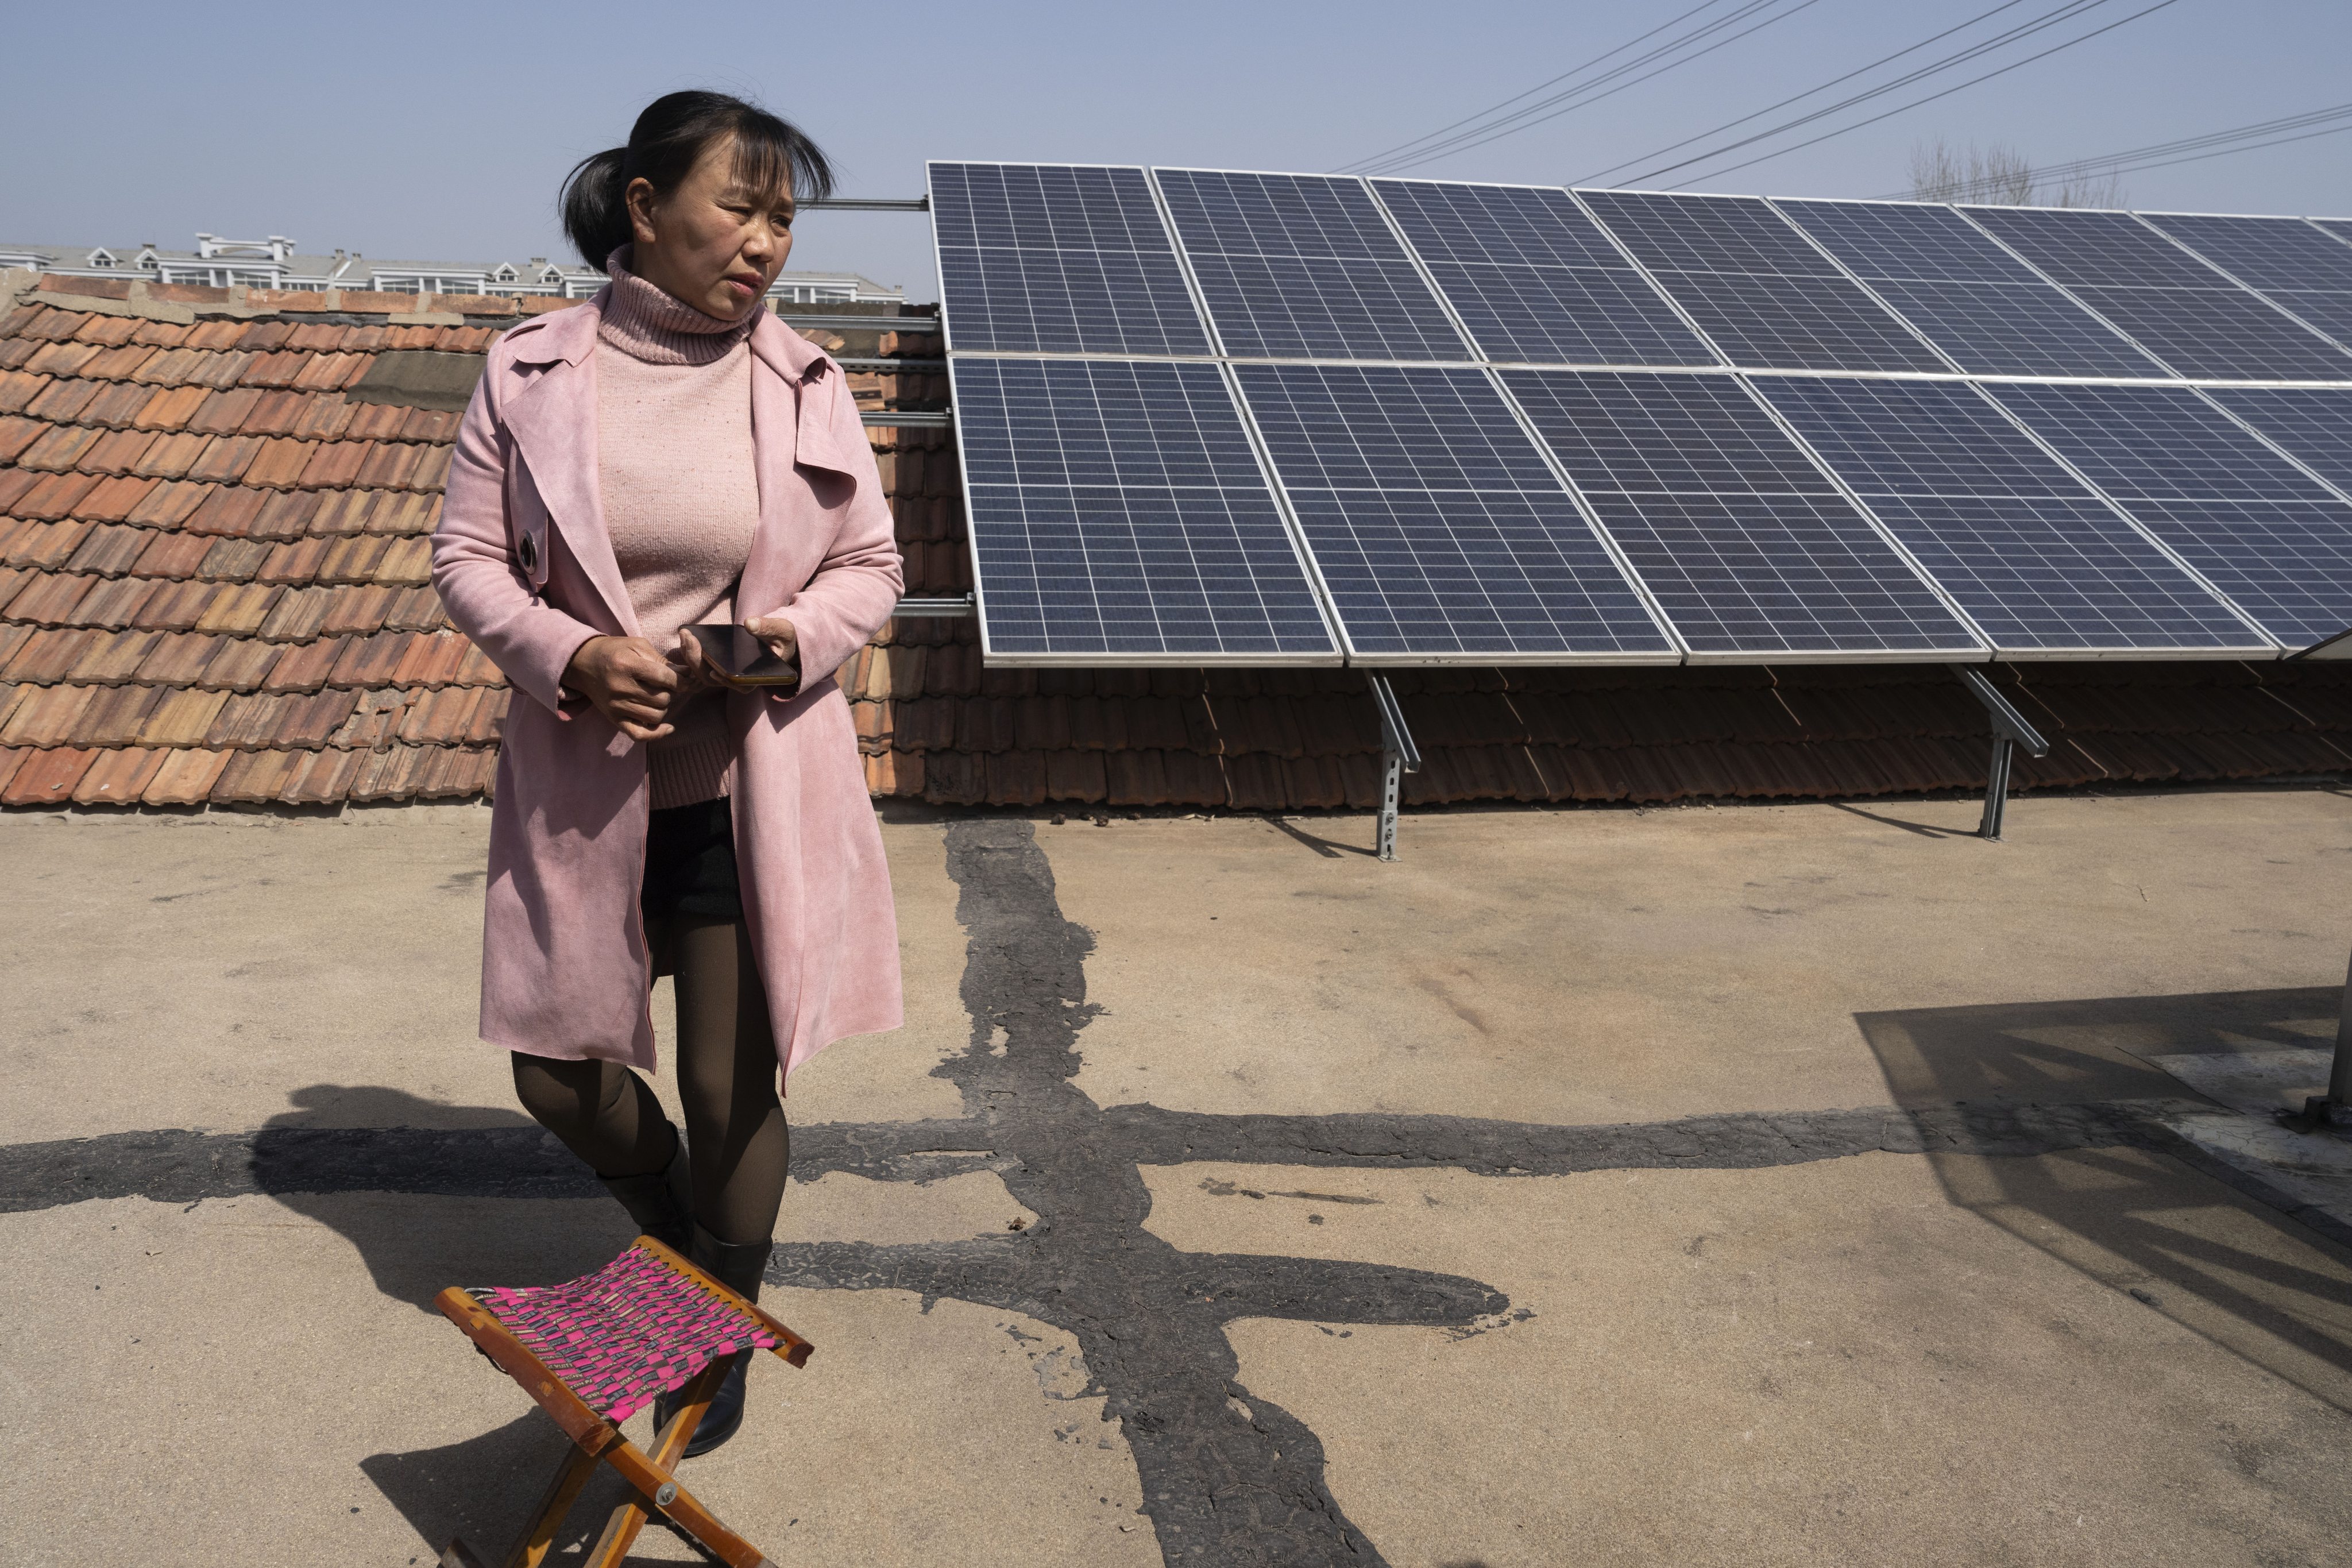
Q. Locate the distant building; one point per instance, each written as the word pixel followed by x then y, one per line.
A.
pixel 273 263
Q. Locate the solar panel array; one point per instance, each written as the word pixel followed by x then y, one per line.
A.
pixel 1214 416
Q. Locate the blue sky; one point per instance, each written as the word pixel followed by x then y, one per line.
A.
pixel 398 134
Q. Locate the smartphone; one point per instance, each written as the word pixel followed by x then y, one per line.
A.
pixel 743 658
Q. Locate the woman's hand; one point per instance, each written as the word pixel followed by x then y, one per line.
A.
pixel 629 682
pixel 778 633
pixel 774 631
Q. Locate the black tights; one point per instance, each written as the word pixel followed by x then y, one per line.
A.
pixel 610 1117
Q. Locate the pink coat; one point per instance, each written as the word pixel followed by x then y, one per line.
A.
pixel 522 561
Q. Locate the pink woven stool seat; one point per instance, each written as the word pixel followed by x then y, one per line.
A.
pixel 634 1329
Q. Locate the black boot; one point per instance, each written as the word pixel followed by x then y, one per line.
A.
pixel 661 1201
pixel 739 1266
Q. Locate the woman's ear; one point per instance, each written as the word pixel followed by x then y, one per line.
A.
pixel 639 199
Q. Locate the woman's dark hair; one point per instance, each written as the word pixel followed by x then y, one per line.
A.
pixel 668 137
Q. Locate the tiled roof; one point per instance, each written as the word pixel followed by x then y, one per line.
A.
pixel 214 588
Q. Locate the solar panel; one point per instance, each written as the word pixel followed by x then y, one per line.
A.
pixel 2259 529
pixel 1534 278
pixel 1056 259
pixel 2185 313
pixel 1439 528
pixel 2304 271
pixel 1119 511
pixel 1304 266
pixel 2312 422
pixel 1755 286
pixel 1746 546
pixel 2034 557
pixel 1970 297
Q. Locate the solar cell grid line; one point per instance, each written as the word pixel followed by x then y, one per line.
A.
pixel 2292 265
pixel 1763 295
pixel 1440 530
pixel 1119 514
pixel 2181 309
pixel 1304 266
pixel 1750 548
pixel 2039 561
pixel 1533 278
pixel 2312 424
pixel 1057 258
pixel 1987 310
pixel 2273 539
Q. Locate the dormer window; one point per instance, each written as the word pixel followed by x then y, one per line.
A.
pixel 101 257
pixel 504 273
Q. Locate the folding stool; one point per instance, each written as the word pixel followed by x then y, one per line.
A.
pixel 594 1352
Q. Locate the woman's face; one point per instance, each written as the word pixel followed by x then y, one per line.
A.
pixel 709 242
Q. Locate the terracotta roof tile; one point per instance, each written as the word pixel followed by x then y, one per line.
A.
pixel 115 452
pixel 179 658
pixel 272 367
pixel 119 363
pixel 16 434
pixel 46 600
pixel 109 549
pixel 255 778
pixel 299 616
pixel 114 656
pixel 53 324
pixel 403 514
pixel 46 655
pixel 184 778
pixel 312 719
pixel 453 773
pixel 239 664
pixel 360 610
pixel 48 545
pixel 170 555
pixel 325 417
pixel 280 462
pixel 374 720
pixel 17 389
pixel 390 465
pixel 227 412
pixel 247 723
pixel 332 373
pixel 119 777
pixel 171 456
pixel 335 465
pixel 239 608
pixel 161 334
pixel 174 367
pixel 370 660
pixel 478 670
pixel 114 603
pixel 440 718
pixel 296 561
pixel 436 424
pixel 61 359
pixel 181 717
pixel 408 562
pixel 163 606
pixel 61 448
pixel 305 666
pixel 490 719
pixel 285 514
pixel 216 333
pixel 113 715
pixel 48 778
pixel 117 407
pixel 352 559
pixel 46 715
pixel 376 421
pixel 107 330
pixel 233 560
pixel 228 511
pixel 169 504
pixel 226 458
pixel 389 774
pixel 430 660
pixel 170 408
pixel 323 778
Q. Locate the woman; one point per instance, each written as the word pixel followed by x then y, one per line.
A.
pixel 665 455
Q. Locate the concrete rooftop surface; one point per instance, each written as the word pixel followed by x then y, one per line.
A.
pixel 1796 1185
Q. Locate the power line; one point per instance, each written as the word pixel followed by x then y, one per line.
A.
pixel 1578 70
pixel 2042 23
pixel 2210 144
pixel 1674 146
pixel 1889 114
pixel 1584 95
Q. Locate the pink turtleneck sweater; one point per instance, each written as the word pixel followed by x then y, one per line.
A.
pixel 674 458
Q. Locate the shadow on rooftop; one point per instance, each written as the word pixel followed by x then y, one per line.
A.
pixel 2234 1271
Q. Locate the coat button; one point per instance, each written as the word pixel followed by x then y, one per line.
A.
pixel 530 553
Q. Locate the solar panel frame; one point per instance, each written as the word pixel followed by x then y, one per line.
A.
pixel 1778 562
pixel 2017 548
pixel 1234 467
pixel 2311 424
pixel 1366 298
pixel 1532 277
pixel 2294 266
pixel 1763 295
pixel 1514 508
pixel 2249 522
pixel 2184 311
pixel 1155 313
pixel 1988 312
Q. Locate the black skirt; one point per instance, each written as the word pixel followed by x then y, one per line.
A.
pixel 690 863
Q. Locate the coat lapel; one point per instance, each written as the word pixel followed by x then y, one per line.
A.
pixel 553 423
pixel 792 413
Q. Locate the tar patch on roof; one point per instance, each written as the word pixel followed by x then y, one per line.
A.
pixel 420 378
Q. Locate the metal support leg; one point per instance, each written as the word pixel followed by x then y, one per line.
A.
pixel 2335 1108
pixel 2010 731
pixel 1399 757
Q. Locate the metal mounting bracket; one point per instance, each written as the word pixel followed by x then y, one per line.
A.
pixel 2010 730
pixel 2334 1109
pixel 1399 756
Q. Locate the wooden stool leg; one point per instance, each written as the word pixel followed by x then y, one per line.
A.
pixel 669 1447
pixel 561 1493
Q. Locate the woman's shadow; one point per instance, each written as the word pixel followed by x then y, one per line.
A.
pixel 466 1196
